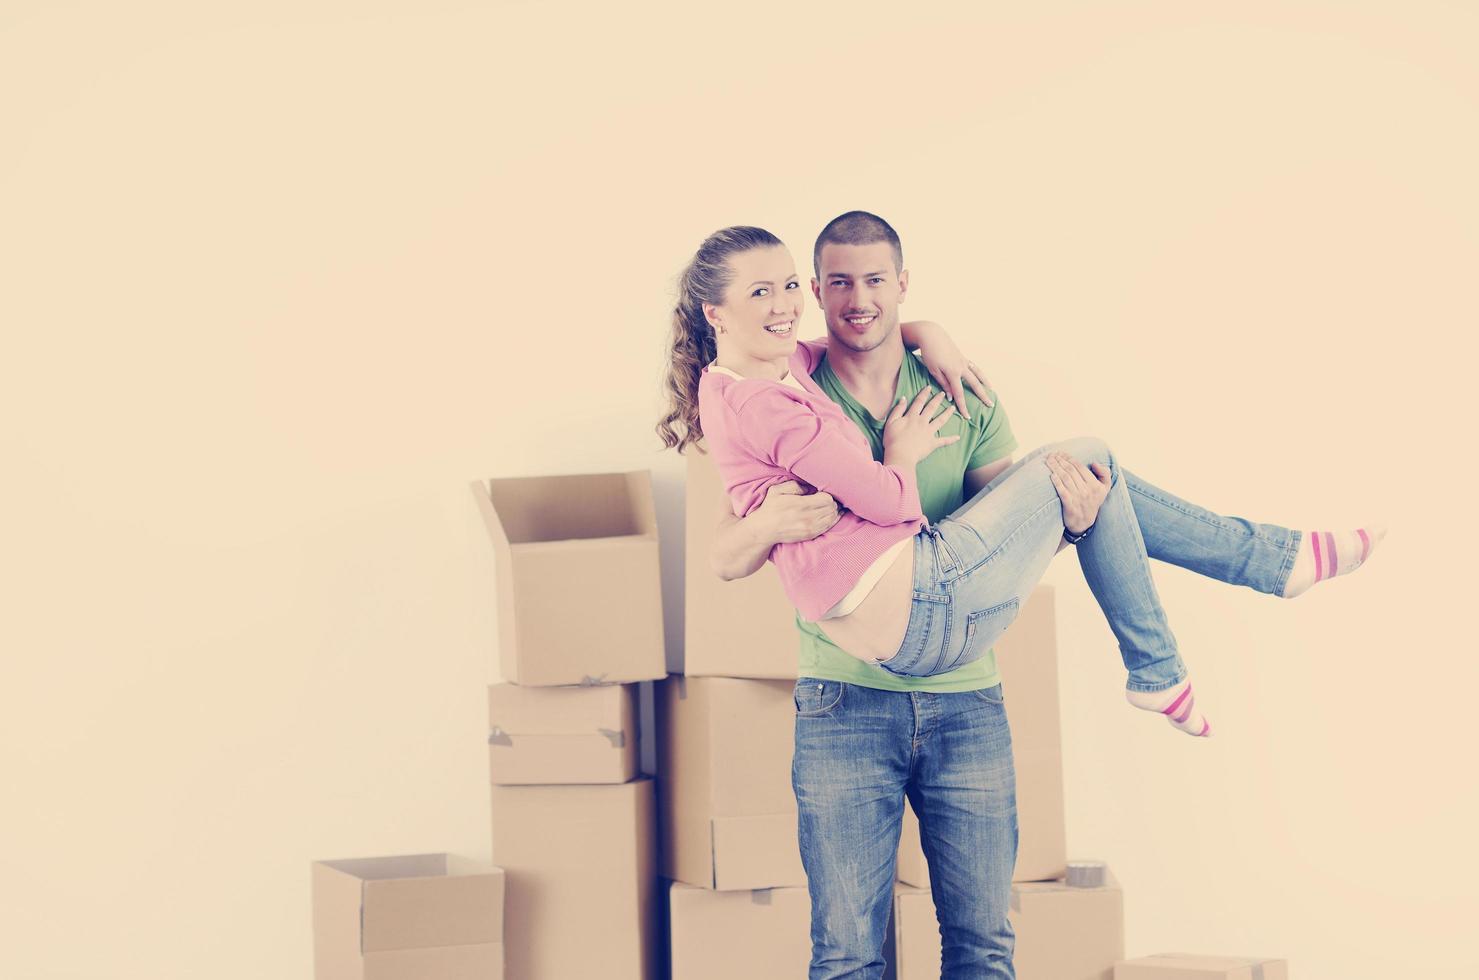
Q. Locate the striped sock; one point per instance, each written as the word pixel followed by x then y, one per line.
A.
pixel 1178 704
pixel 1325 554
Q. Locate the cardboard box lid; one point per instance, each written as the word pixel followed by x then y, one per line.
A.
pixel 1212 967
pixel 419 900
pixel 540 509
pixel 566 710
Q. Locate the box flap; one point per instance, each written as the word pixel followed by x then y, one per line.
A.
pixel 573 507
pixel 421 900
pixel 336 921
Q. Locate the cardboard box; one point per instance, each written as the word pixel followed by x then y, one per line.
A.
pixel 724 748
pixel 576 558
pixel 562 734
pixel 1063 933
pixel 738 935
pixel 407 917
pixel 582 880
pixel 743 628
pixel 1187 966
pixel 911 866
pixel 1027 657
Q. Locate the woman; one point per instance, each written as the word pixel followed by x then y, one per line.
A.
pixel 885 585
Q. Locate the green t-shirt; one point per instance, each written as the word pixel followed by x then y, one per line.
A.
pixel 986 437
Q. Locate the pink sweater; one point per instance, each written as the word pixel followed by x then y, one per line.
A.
pixel 762 432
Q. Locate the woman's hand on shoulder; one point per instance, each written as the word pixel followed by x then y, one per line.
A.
pixel 952 371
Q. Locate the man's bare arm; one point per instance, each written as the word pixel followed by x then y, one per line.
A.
pixel 742 544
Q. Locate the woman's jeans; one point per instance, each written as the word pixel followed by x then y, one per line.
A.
pixel 974 569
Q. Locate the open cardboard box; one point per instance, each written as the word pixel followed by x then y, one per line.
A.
pixel 562 734
pixel 407 917
pixel 579 592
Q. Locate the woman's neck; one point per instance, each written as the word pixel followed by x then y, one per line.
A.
pixel 750 367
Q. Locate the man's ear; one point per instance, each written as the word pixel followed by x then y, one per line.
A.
pixel 903 284
pixel 816 289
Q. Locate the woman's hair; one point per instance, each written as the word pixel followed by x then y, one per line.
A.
pixel 702 281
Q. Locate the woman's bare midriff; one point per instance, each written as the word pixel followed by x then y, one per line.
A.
pixel 874 631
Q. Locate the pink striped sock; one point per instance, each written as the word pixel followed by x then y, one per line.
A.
pixel 1323 555
pixel 1178 704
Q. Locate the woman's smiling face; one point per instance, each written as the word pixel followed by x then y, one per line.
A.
pixel 762 306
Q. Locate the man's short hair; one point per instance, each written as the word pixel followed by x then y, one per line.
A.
pixel 857 228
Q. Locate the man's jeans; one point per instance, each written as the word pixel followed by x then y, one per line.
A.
pixel 861 750
pixel 975 569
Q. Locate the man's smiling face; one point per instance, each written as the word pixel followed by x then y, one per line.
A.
pixel 860 290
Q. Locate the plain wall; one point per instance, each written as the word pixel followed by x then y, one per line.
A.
pixel 277 281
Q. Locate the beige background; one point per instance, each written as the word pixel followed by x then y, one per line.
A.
pixel 277 282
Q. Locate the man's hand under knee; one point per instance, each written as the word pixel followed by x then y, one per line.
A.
pixel 790 512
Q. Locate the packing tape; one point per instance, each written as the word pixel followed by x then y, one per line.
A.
pixel 1258 971
pixel 1086 874
pixel 500 737
pixel 1016 901
pixel 599 681
pixel 760 896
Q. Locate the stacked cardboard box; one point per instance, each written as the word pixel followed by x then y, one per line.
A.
pixel 1062 932
pixel 737 901
pixel 580 624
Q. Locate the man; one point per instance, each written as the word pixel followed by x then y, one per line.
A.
pixel 866 738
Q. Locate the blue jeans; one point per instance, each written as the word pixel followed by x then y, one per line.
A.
pixel 974 569
pixel 859 752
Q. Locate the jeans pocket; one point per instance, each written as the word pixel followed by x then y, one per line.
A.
pixel 983 628
pixel 813 696
pixel 991 695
